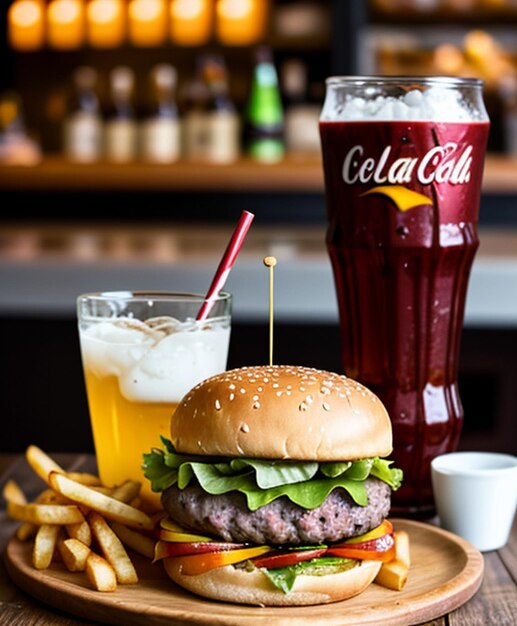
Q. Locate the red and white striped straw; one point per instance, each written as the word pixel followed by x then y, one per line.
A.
pixel 226 264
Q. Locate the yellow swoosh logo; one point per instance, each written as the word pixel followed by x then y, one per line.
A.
pixel 403 198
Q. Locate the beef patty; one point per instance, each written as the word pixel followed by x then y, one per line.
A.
pixel 280 521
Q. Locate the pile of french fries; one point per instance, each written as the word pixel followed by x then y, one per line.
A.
pixel 82 522
pixel 394 573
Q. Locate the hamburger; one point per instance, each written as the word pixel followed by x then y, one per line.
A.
pixel 276 486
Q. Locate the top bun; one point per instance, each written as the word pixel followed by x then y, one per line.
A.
pixel 282 412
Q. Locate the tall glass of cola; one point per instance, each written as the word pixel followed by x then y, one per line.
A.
pixel 403 161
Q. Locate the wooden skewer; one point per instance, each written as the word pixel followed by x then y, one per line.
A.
pixel 270 261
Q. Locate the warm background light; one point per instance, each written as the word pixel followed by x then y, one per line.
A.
pixel 147 22
pixel 106 23
pixel 241 22
pixel 191 21
pixel 65 23
pixel 25 24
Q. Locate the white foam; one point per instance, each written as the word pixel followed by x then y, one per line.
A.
pixel 151 366
pixel 438 104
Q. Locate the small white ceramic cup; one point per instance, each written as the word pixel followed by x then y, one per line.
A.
pixel 476 496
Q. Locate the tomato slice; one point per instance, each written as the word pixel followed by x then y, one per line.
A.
pixel 195 564
pixel 283 559
pixel 363 555
pixel 380 549
pixel 164 549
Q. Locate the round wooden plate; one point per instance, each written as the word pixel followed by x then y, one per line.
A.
pixel 446 571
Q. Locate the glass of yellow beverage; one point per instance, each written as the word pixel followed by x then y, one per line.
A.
pixel 141 353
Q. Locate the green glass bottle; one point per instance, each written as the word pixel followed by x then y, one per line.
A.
pixel 264 127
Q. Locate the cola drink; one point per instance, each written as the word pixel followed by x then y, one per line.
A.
pixel 403 162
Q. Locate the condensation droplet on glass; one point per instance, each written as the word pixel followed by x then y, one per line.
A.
pixel 402 231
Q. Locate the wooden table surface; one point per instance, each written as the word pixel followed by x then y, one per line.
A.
pixel 494 604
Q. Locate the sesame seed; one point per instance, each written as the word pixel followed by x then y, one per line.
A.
pixel 302 388
pixel 242 390
pixel 232 396
pixel 326 406
pixel 357 412
pixel 309 399
pixel 255 398
pixel 302 406
pixel 278 393
pixel 232 386
pixel 260 389
pixel 275 385
pixel 256 405
pixel 217 405
pixel 245 428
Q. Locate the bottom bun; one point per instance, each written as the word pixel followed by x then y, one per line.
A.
pixel 240 586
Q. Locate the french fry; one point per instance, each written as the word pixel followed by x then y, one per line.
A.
pixel 113 550
pixel 402 547
pixel 13 494
pixel 394 574
pixel 44 546
pixel 127 491
pixel 49 496
pixel 136 502
pixel 100 573
pixel 26 531
pixel 74 554
pixel 80 531
pixel 107 491
pixel 134 540
pixel 108 506
pixel 85 478
pixel 45 513
pixel 41 463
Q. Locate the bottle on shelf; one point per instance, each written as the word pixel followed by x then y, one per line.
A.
pixel 160 133
pixel 264 117
pixel 301 116
pixel 121 126
pixel 194 127
pixel 221 117
pixel 83 126
pixel 16 146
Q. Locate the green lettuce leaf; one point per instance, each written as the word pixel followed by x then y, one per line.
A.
pixel 306 483
pixel 392 476
pixel 270 474
pixel 309 495
pixel 332 470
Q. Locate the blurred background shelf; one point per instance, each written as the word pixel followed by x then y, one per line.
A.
pixel 294 174
pixel 54 173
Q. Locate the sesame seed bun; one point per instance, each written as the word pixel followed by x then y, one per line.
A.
pixel 231 584
pixel 282 412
